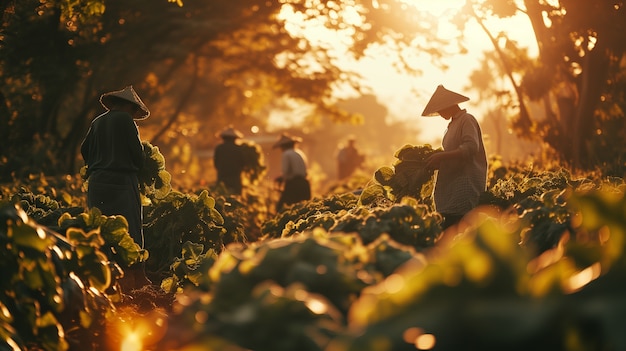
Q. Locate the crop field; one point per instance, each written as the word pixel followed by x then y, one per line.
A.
pixel 208 258
pixel 538 265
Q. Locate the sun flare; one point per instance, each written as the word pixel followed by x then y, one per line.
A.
pixel 402 91
pixel 436 8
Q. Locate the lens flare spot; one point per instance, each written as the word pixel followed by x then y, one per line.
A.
pixel 584 277
pixel 301 294
pixel 132 342
pixel 316 306
pixel 410 335
pixel 394 283
pixel 276 290
pixel 604 234
pixel 425 342
pixel 201 317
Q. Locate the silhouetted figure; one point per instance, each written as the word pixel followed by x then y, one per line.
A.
pixel 348 159
pixel 228 160
pixel 113 154
pixel 296 186
pixel 462 166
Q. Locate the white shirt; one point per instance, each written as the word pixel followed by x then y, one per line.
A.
pixel 293 164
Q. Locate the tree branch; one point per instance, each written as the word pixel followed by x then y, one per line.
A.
pixel 183 101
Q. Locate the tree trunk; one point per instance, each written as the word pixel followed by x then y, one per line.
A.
pixel 592 78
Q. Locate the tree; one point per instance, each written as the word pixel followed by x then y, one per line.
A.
pixel 577 76
pixel 198 66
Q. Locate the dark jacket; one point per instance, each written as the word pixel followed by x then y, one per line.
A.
pixel 112 143
pixel 113 154
pixel 229 164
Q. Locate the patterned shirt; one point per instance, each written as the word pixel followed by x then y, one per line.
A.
pixel 459 184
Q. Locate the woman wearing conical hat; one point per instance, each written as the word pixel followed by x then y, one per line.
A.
pixel 113 154
pixel 294 172
pixel 462 166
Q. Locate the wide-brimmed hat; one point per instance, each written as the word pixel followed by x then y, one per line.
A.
pixel 286 139
pixel 441 99
pixel 127 94
pixel 231 132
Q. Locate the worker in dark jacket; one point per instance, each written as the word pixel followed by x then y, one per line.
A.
pixel 349 159
pixel 229 161
pixel 113 154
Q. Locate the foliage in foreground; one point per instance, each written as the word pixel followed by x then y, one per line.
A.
pixel 312 277
pixel 178 218
pixel 482 290
pixel 54 287
pixel 478 290
pixel 539 265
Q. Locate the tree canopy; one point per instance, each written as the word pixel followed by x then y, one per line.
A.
pixel 203 64
pixel 575 83
pixel 200 65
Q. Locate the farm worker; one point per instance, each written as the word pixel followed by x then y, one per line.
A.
pixel 348 159
pixel 113 154
pixel 294 172
pixel 228 160
pixel 462 165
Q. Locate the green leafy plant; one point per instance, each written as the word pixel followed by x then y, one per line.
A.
pixel 243 215
pixel 154 179
pixel 408 222
pixel 254 162
pixel 486 283
pixel 66 190
pixel 176 219
pixel 344 271
pixel 53 295
pixel 318 212
pixel 540 199
pixel 280 294
pixel 113 230
pixel 44 209
pixel 547 221
pixel 406 177
pixel 36 206
pixel 190 268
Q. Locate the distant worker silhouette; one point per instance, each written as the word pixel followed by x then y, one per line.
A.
pixel 113 154
pixel 229 161
pixel 296 186
pixel 462 166
pixel 348 159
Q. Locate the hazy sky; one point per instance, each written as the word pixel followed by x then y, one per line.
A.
pixel 405 96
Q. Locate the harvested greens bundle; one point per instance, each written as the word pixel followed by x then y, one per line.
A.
pixel 406 177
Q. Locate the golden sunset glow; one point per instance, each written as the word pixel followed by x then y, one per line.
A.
pixel 436 8
pixel 336 175
pixel 404 94
pixel 132 342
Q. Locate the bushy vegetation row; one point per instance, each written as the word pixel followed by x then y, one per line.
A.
pixel 537 266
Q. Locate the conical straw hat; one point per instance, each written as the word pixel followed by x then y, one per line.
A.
pixel 286 139
pixel 128 94
pixel 231 132
pixel 442 98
